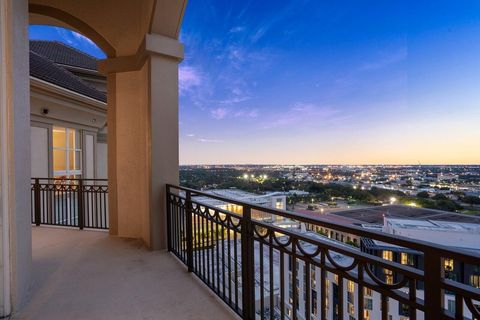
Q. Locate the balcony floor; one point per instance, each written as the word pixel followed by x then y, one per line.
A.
pixel 89 275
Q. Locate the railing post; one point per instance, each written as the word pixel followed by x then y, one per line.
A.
pixel 81 207
pixel 36 196
pixel 433 275
pixel 189 231
pixel 169 220
pixel 248 266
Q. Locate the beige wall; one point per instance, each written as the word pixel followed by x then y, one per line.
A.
pixel 102 160
pixel 163 140
pixel 130 138
pixel 143 147
pixel 15 155
pixel 40 151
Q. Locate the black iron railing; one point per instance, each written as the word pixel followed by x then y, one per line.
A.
pixel 80 203
pixel 264 271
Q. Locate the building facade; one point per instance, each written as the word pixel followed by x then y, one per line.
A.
pixel 465 236
pixel 274 200
pixel 68 113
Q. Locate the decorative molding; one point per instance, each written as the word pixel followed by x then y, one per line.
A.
pixel 153 44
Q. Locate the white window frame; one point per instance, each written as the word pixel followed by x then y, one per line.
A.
pixel 67 150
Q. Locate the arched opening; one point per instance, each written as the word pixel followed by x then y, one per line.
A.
pixel 45 15
pixel 68 112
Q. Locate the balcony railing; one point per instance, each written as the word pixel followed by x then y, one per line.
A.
pixel 80 203
pixel 264 271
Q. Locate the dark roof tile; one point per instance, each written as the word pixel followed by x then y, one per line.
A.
pixel 61 53
pixel 44 69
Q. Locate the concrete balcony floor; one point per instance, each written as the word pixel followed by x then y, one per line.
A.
pixel 90 275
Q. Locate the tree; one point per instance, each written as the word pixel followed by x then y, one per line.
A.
pixel 423 194
pixel 440 196
pixel 471 200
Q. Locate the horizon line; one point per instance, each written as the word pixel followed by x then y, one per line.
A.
pixel 331 164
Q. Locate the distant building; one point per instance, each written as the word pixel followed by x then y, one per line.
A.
pixel 375 215
pixel 270 200
pixel 455 234
pixel 298 193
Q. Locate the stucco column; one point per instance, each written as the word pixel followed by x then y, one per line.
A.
pixel 143 138
pixel 15 226
pixel 164 131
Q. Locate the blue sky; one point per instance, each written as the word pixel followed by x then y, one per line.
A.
pixel 326 81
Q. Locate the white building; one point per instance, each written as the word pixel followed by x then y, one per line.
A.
pixel 68 113
pixel 447 233
pixel 270 200
pixel 464 235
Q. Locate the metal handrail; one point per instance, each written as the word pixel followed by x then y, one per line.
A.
pixel 469 257
pixel 189 218
pixel 80 203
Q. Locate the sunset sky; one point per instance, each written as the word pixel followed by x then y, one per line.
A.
pixel 326 82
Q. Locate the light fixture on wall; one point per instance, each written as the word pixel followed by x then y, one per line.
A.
pixel 44 111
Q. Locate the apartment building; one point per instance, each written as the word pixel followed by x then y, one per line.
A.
pixel 464 236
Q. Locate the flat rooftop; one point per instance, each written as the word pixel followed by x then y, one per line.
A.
pixel 235 194
pixel 435 225
pixel 374 215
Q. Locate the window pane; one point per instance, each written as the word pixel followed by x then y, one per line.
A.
pixel 74 159
pixel 59 137
pixel 59 160
pixel 73 139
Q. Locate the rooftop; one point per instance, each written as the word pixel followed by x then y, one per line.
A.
pixel 236 194
pixel 63 54
pixel 435 225
pixel 45 65
pixel 374 215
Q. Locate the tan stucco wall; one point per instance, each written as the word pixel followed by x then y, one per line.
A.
pixel 163 140
pixel 131 153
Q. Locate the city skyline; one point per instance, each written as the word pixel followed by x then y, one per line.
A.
pixel 326 83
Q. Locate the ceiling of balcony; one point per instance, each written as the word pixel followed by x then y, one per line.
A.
pixel 117 26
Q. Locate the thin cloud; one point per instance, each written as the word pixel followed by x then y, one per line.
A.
pixel 386 60
pixel 233 100
pixel 251 113
pixel 237 29
pixel 219 113
pixel 189 78
pixel 203 140
pixel 302 113
pixel 259 34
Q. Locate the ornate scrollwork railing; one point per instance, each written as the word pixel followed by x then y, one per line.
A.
pixel 264 271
